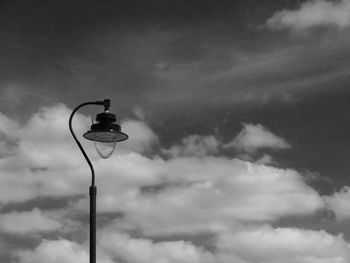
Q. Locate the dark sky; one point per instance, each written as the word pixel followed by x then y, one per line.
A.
pixel 200 64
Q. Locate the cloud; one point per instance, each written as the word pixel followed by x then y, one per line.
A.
pixel 142 250
pixel 8 127
pixel 249 140
pixel 210 194
pixel 268 245
pixel 116 247
pixel 139 112
pixel 339 202
pixel 195 145
pixel 57 251
pixel 255 137
pixel 8 135
pixel 21 223
pixel 141 136
pixel 195 191
pixel 265 159
pixel 313 14
pixel 191 192
pixel 45 153
pixel 255 244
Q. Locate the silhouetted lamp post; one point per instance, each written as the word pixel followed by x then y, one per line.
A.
pixel 105 133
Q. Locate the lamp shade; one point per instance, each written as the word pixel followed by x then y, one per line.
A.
pixel 105 130
pixel 105 133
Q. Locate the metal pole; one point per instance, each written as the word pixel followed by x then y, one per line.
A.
pixel 93 192
pixel 92 189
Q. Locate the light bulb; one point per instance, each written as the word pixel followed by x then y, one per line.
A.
pixel 105 149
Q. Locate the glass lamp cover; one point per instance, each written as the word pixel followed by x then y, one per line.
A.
pixel 105 149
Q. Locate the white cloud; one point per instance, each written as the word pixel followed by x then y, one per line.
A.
pixel 195 145
pixel 339 202
pixel 45 158
pixel 312 14
pixel 196 191
pixel 268 245
pixel 139 112
pixel 8 127
pixel 45 137
pixel 116 247
pixel 47 161
pixel 188 193
pixel 20 223
pixel 210 194
pixel 8 135
pixel 254 244
pixel 141 250
pixel 141 137
pixel 265 159
pixel 254 137
pixel 57 251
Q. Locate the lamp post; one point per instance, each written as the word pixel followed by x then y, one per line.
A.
pixel 105 133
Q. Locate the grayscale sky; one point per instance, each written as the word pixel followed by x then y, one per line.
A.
pixel 237 111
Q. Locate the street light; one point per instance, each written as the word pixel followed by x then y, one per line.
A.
pixel 105 133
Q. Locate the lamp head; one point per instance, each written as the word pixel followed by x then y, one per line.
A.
pixel 105 133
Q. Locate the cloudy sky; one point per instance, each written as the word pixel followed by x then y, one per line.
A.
pixel 239 142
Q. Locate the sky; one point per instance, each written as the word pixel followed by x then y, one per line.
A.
pixel 236 112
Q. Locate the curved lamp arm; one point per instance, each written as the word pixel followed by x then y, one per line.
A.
pixel 106 104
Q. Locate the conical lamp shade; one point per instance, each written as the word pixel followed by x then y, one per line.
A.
pixel 105 149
